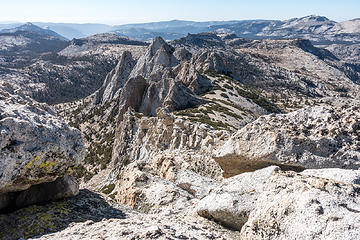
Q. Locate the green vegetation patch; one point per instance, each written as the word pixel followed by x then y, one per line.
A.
pixel 259 100
pixel 108 189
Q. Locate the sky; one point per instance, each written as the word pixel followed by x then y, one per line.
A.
pixel 137 11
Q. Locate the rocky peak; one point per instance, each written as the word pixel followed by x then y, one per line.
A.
pixel 158 56
pixel 116 79
pixel 32 28
pixel 314 18
pixel 159 43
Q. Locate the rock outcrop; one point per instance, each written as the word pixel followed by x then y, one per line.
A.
pixel 168 155
pixel 167 140
pixel 232 202
pixel 314 137
pixel 293 206
pixel 36 147
pixel 191 78
pixel 116 79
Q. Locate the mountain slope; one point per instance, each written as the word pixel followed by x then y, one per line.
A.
pixel 20 46
pixel 29 27
pixel 72 73
pixel 210 81
pixel 165 124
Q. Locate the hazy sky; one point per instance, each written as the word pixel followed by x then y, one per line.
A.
pixel 131 11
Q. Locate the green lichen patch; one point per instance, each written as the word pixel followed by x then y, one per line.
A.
pixel 112 196
pixel 30 164
pixel 47 165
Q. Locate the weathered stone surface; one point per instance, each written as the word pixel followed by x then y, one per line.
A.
pixel 92 216
pixel 167 144
pixel 149 193
pixel 313 137
pixel 193 79
pixel 231 202
pixel 293 206
pixel 167 93
pixel 339 175
pixel 145 227
pixel 35 146
pixel 195 184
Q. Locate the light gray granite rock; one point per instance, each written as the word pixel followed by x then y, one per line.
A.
pixel 339 175
pixel 231 202
pixel 116 79
pixel 312 137
pixel 294 206
pixel 35 146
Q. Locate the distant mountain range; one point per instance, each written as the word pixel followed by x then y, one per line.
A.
pixel 307 27
pixel 29 27
pixel 341 38
pixel 68 30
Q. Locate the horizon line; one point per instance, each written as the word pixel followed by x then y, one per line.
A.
pixel 170 20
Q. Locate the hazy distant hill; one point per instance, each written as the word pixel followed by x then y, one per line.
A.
pixel 75 30
pixel 19 46
pixel 29 27
pixel 318 29
pixel 68 30
pixel 169 30
pixel 342 38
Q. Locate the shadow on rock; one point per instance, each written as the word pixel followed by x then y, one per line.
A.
pixel 38 220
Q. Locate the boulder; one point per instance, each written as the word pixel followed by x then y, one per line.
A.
pixel 312 137
pixel 148 193
pixel 294 206
pixel 35 146
pixel 231 202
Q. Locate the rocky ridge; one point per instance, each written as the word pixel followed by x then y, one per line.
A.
pixel 313 137
pixel 237 97
pixel 73 72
